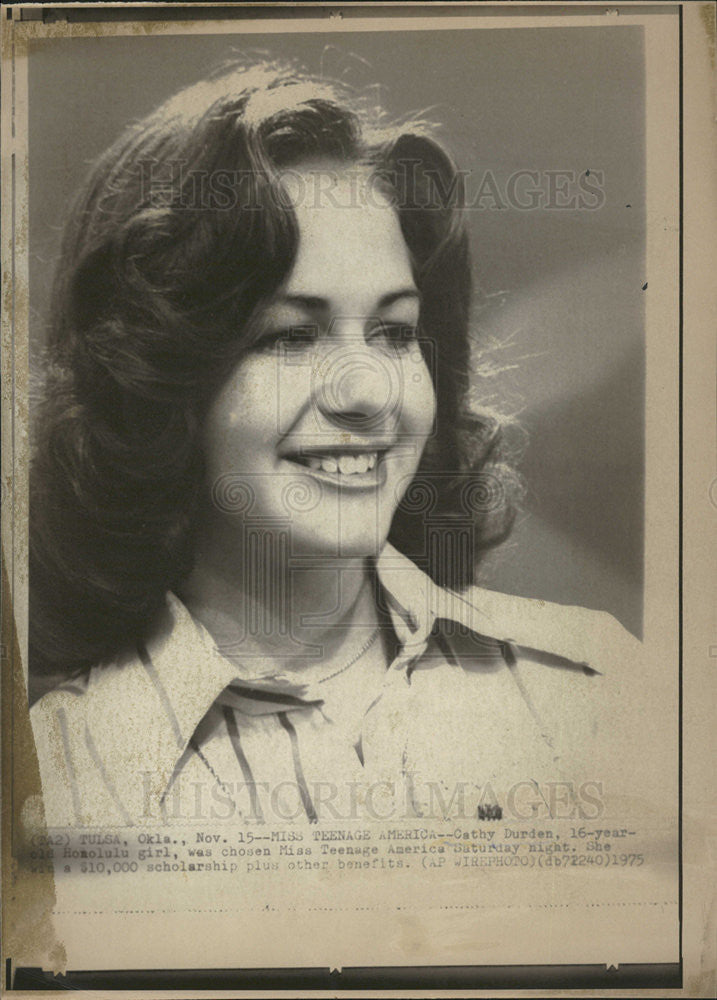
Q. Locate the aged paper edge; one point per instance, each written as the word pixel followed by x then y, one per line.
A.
pixel 699 496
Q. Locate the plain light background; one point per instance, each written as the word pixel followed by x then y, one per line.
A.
pixel 571 323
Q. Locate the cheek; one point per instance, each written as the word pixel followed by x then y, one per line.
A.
pixel 242 417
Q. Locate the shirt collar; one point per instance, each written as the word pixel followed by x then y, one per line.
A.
pixel 415 602
pixel 189 673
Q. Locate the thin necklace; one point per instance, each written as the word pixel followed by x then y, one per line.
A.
pixel 364 649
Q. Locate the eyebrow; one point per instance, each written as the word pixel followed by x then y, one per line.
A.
pixel 315 303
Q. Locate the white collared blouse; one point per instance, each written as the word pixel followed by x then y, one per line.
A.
pixel 494 705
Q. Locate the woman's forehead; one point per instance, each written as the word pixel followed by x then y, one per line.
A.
pixel 350 237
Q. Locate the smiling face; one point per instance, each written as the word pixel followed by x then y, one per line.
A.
pixel 323 422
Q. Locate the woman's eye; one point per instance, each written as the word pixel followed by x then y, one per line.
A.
pixel 293 338
pixel 397 334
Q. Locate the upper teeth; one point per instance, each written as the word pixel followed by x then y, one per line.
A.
pixel 347 465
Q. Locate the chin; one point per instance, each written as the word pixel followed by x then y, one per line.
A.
pixel 345 544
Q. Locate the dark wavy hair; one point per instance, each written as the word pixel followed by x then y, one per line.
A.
pixel 176 239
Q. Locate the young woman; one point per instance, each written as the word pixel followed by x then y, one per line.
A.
pixel 259 491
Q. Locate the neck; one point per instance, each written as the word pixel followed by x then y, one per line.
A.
pixel 259 604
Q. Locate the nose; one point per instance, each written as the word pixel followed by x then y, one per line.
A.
pixel 357 386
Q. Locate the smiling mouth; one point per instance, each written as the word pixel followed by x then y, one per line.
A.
pixel 341 465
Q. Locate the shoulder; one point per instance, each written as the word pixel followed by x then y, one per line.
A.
pixel 77 724
pixel 113 681
pixel 561 656
pixel 591 688
pixel 568 660
pixel 119 686
pixel 581 635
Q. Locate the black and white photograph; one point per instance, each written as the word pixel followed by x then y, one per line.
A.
pixel 345 507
